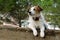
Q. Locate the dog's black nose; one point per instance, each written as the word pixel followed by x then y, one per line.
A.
pixel 30 12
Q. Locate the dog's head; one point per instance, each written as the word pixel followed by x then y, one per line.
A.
pixel 35 12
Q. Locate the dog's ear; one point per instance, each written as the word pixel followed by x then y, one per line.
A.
pixel 28 8
pixel 39 8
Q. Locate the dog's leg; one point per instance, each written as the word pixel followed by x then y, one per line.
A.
pixel 32 27
pixel 42 29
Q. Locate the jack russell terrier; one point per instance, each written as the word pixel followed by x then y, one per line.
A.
pixel 36 19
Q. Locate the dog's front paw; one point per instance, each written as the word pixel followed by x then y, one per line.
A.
pixel 42 34
pixel 35 33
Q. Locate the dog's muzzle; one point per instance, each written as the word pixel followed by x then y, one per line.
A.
pixel 36 18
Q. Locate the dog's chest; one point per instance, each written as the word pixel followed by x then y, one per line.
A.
pixel 36 18
pixel 36 23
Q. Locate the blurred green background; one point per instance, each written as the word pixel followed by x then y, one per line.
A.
pixel 18 9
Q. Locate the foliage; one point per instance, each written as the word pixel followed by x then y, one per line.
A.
pixel 18 8
pixel 6 5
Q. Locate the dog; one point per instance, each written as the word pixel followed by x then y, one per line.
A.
pixel 36 19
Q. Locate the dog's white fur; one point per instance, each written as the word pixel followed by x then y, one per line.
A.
pixel 33 24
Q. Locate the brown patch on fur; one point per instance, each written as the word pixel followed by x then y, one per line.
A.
pixel 38 9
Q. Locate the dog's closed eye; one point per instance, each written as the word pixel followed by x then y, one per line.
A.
pixel 33 9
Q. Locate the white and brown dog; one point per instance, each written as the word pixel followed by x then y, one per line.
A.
pixel 36 19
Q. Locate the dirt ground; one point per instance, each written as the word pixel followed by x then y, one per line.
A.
pixel 12 34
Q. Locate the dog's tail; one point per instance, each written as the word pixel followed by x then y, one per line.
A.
pixel 51 27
